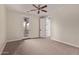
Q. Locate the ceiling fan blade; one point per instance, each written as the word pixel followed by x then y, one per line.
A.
pixel 39 5
pixel 44 10
pixel 33 10
pixel 43 6
pixel 38 11
pixel 35 6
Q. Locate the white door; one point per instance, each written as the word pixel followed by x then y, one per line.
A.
pixel 48 27
pixel 42 27
pixel 45 27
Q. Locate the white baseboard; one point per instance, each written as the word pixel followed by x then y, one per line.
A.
pixel 70 44
pixel 20 39
pixel 14 40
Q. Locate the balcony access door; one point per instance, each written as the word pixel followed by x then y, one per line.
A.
pixel 45 26
pixel 42 27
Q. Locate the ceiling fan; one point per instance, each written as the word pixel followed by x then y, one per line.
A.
pixel 39 8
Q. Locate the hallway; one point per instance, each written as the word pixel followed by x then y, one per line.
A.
pixel 39 47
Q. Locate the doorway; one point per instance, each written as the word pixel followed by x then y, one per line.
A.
pixel 26 27
pixel 45 27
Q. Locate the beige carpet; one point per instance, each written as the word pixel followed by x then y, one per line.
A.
pixel 39 47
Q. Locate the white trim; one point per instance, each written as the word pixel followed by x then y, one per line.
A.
pixel 16 39
pixel 70 44
pixel 13 40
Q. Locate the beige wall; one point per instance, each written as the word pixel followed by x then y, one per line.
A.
pixel 66 25
pixel 15 29
pixel 2 27
pixel 34 26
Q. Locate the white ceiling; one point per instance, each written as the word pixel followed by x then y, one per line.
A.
pixel 25 7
